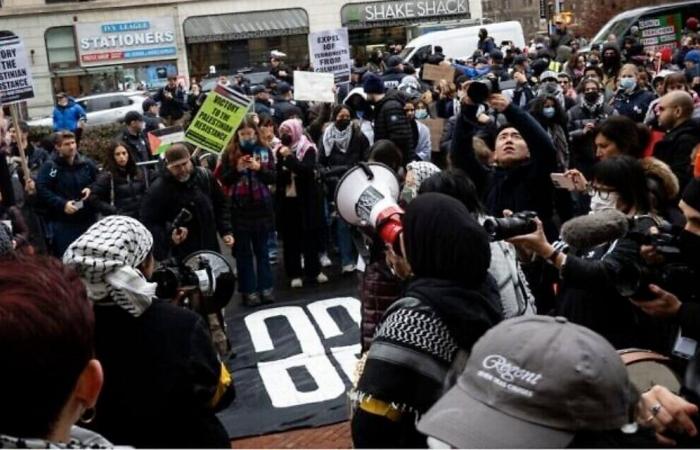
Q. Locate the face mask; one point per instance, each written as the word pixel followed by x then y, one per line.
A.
pixel 548 112
pixel 342 124
pixel 628 83
pixel 421 114
pixel 591 97
pixel 248 144
pixel 598 204
pixel 286 140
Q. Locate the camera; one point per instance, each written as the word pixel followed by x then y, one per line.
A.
pixel 674 274
pixel 508 227
pixel 480 90
pixel 182 218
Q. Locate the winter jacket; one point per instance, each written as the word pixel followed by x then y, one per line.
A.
pixel 67 117
pixel 118 193
pixel 336 163
pixel 162 375
pixel 252 204
pixel 173 108
pixel 202 197
pixel 390 122
pixel 663 189
pixel 486 45
pixel 309 192
pixel 526 186
pixel 379 288
pixel 588 296
pixel 152 122
pixel 392 78
pixel 582 147
pixel 423 148
pixel 138 146
pixel 676 148
pixel 634 105
pixel 284 109
pixel 59 182
pixel 262 107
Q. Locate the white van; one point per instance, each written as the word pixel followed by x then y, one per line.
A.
pixel 460 43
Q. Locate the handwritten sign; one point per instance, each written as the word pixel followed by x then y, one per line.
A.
pixel 314 87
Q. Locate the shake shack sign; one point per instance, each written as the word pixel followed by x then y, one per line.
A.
pixel 359 15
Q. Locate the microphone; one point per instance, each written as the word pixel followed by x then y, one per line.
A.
pixel 594 229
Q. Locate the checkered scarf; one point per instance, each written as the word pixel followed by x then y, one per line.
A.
pixel 106 257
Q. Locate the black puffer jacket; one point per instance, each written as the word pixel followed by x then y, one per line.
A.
pixel 676 147
pixel 118 193
pixel 336 163
pixel 378 290
pixel 390 122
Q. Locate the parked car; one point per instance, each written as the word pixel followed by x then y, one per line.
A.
pixel 110 107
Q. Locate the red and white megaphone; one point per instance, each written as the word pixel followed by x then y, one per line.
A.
pixel 367 196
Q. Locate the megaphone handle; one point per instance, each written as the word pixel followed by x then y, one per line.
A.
pixel 365 168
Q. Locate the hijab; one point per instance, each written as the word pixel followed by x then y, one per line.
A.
pixel 106 257
pixel 300 143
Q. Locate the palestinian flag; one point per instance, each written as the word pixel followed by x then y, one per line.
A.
pixel 160 140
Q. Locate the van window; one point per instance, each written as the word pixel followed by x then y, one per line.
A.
pixel 617 28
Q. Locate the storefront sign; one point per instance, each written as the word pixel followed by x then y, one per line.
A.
pixel 313 87
pixel 217 119
pixel 391 11
pixel 330 53
pixel 661 32
pixel 15 77
pixel 102 43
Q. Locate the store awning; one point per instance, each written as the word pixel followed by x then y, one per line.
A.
pixel 248 25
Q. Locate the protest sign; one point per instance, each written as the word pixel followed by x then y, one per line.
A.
pixel 221 113
pixel 15 77
pixel 313 87
pixel 435 126
pixel 437 72
pixel 330 53
pixel 160 140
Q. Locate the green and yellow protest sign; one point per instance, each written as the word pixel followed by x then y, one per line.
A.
pixel 217 119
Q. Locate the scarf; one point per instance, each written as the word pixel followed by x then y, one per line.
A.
pixel 6 246
pixel 593 107
pixel 333 137
pixel 556 132
pixel 106 257
pixel 422 170
pixel 300 143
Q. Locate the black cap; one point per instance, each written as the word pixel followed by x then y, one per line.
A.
pixel 284 87
pixel 520 59
pixel 132 116
pixel 258 88
pixel 269 81
pixel 394 61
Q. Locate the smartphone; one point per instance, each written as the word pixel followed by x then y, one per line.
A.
pixel 561 181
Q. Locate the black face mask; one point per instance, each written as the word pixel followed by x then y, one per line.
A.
pixel 591 97
pixel 342 124
pixel 690 247
pixel 286 140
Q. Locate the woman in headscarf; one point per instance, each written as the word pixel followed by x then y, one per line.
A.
pixel 342 145
pixel 416 173
pixel 300 203
pixel 163 378
pixel 444 310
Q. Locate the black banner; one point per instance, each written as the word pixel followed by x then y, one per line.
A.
pixel 293 365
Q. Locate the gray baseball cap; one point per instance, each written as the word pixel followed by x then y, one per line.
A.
pixel 533 382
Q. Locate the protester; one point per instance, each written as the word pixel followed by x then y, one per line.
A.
pixel 121 187
pixel 163 379
pixel 390 121
pixel 485 44
pixel 419 131
pixel 342 146
pixel 247 169
pixel 519 384
pixel 172 102
pixel 299 203
pixel 262 101
pixel 51 379
pixel 63 186
pixel 134 137
pixel 630 99
pixel 185 192
pixel 416 173
pixel 444 310
pixel 67 114
pixel 151 118
pixel 284 107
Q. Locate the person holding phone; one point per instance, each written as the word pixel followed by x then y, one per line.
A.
pixel 63 185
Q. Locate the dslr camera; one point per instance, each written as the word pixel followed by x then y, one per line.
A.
pixel 520 223
pixel 674 274
pixel 480 90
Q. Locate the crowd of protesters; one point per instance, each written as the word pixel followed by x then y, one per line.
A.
pixel 468 340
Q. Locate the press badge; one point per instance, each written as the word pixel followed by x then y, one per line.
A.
pixel 684 347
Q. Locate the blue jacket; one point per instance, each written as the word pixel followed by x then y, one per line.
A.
pixel 634 105
pixel 67 117
pixel 59 182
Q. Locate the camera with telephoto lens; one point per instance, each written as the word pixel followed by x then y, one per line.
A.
pixel 674 274
pixel 479 90
pixel 518 224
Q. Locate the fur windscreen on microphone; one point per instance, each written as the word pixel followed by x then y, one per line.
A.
pixel 585 232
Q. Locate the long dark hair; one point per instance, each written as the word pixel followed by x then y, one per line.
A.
pixel 234 152
pixel 112 165
pixel 537 108
pixel 626 175
pixel 629 136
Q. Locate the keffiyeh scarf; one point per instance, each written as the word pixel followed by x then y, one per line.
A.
pixel 332 136
pixel 106 257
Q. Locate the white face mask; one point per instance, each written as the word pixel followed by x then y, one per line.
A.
pixel 598 204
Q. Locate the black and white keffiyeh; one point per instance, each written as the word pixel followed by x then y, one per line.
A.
pixel 332 136
pixel 106 257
